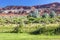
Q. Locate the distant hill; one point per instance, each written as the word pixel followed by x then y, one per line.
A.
pixel 54 5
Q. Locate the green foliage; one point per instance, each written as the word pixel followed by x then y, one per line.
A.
pixel 31 19
pixel 57 30
pixel 52 14
pixel 47 30
pixel 34 14
pixel 6 28
pixel 32 25
pixel 45 15
pixel 16 30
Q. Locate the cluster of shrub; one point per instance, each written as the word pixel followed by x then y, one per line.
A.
pixel 45 19
pixel 32 18
pixel 44 29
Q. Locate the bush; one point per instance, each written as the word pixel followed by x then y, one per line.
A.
pixel 34 14
pixel 38 31
pixel 52 14
pixel 31 19
pixel 47 30
pixel 52 20
pixel 45 15
pixel 5 29
pixel 16 30
pixel 57 30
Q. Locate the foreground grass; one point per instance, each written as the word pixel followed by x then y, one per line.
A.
pixel 19 36
pixel 8 36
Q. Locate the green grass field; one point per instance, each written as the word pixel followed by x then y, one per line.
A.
pixel 19 36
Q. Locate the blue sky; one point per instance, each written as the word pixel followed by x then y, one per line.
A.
pixel 4 3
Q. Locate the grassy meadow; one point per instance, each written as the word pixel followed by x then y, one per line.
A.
pixel 24 36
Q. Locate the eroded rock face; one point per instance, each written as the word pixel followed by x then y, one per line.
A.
pixel 44 8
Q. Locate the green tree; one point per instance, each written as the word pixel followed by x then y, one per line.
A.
pixel 34 14
pixel 52 14
pixel 45 15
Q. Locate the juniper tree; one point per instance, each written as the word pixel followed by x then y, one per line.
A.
pixel 52 14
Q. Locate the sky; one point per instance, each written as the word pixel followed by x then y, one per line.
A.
pixel 4 3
